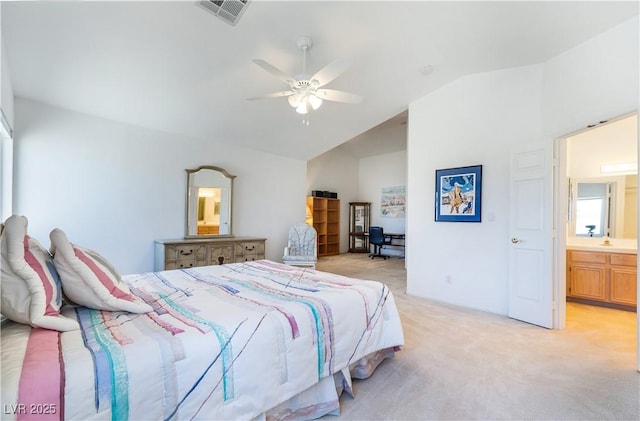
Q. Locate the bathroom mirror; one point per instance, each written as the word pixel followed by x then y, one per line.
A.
pixel 209 200
pixel 604 207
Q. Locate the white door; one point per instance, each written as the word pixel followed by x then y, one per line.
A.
pixel 531 242
pixel 225 211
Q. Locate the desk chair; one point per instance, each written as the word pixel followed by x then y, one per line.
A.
pixel 377 238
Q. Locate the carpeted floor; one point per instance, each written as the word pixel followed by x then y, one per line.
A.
pixel 462 364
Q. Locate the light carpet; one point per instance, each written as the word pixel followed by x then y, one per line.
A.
pixel 463 364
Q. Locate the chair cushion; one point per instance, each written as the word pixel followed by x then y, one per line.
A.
pixel 31 292
pixel 299 258
pixel 88 279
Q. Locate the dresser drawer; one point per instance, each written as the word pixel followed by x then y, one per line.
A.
pixel 186 253
pixel 248 258
pixel 183 264
pixel 249 248
pixel 247 251
pixel 221 253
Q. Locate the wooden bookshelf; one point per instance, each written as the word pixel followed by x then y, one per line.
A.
pixel 325 218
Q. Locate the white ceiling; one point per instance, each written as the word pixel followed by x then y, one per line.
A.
pixel 175 67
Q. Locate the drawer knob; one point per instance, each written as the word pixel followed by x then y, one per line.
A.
pixel 186 253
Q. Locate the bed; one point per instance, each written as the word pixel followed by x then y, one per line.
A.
pixel 254 340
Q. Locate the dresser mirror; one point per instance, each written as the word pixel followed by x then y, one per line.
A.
pixel 209 200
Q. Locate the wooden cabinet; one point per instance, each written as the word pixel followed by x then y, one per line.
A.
pixel 602 278
pixel 359 221
pixel 178 254
pixel 325 218
pixel 623 279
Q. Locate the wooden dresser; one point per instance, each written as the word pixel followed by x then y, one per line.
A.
pixel 192 252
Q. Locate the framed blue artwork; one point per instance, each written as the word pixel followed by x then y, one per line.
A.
pixel 459 194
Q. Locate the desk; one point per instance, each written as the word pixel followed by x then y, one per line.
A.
pixel 394 239
pixel 395 236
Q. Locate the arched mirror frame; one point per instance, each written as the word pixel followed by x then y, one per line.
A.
pixel 191 222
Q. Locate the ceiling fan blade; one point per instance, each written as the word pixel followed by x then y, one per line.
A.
pixel 331 71
pixel 288 79
pixel 272 95
pixel 338 96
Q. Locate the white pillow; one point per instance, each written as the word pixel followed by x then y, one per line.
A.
pixel 88 279
pixel 30 285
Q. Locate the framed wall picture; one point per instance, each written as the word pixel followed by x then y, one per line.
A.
pixel 393 201
pixel 459 194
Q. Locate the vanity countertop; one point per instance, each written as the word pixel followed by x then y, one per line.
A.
pixel 618 245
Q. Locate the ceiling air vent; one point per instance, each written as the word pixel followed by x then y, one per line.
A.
pixel 228 10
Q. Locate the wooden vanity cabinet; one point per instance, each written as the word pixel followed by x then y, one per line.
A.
pixel 587 277
pixel 602 278
pixel 623 279
pixel 179 254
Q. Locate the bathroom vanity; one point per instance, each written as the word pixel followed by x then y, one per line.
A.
pixel 604 275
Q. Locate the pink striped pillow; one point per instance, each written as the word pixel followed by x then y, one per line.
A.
pixel 88 279
pixel 31 291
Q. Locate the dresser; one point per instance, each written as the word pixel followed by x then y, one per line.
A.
pixel 192 252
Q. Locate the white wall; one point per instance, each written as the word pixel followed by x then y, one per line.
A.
pixel 597 80
pixel 613 143
pixel 6 127
pixel 116 188
pixel 376 172
pixel 6 89
pixel 336 171
pixel 474 120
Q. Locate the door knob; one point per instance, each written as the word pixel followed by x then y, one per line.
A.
pixel 516 240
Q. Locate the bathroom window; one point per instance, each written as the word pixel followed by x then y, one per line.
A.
pixel 593 216
pixel 589 217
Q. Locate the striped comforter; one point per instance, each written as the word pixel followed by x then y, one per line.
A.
pixel 223 342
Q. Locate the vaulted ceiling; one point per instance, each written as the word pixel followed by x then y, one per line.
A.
pixel 175 67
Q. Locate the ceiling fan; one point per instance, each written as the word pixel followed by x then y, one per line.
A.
pixel 305 92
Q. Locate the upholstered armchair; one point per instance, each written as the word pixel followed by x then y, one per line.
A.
pixel 301 249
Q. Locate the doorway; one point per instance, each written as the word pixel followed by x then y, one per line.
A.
pixel 594 164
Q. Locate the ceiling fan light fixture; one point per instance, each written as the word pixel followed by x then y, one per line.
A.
pixel 315 102
pixel 304 93
pixel 294 100
pixel 303 108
